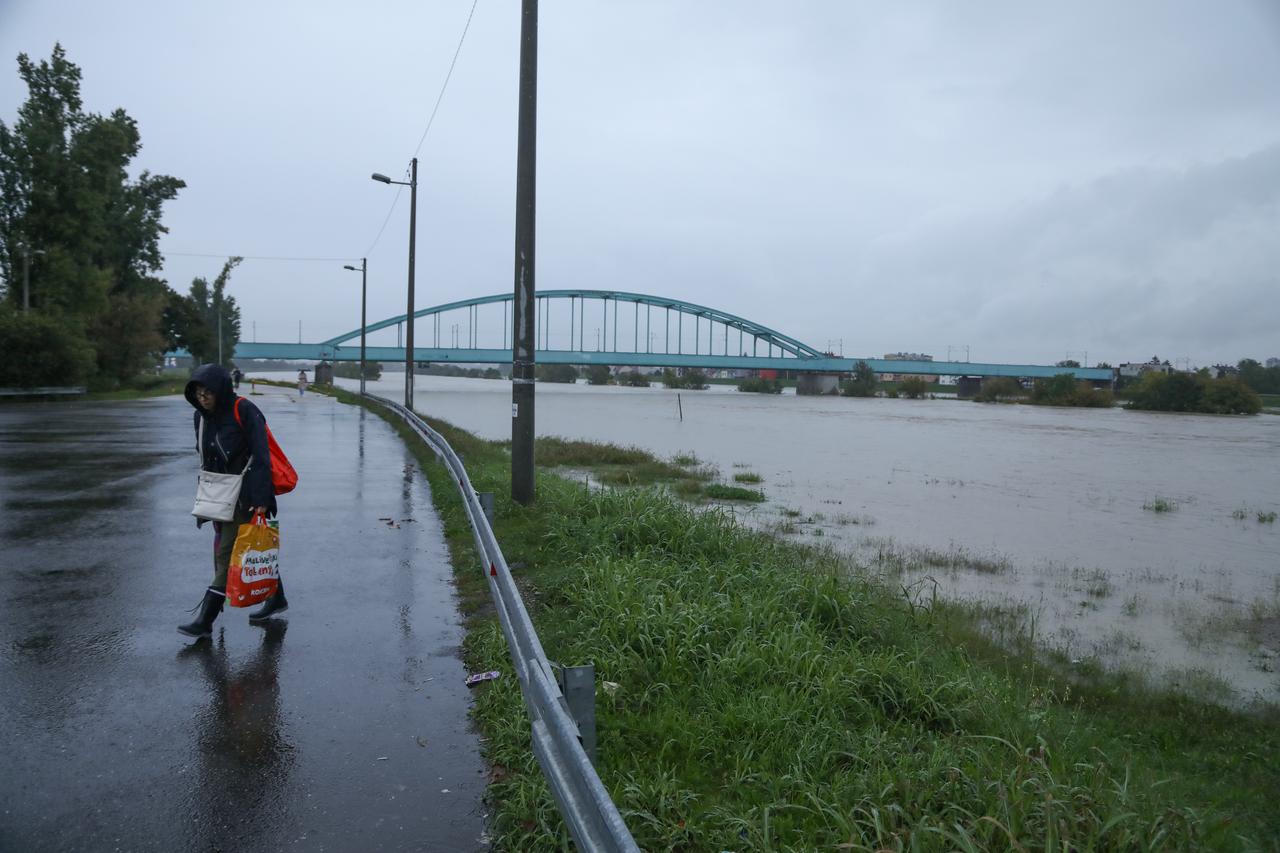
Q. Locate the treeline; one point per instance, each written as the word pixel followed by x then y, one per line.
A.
pixel 1264 380
pixel 79 247
pixel 1194 392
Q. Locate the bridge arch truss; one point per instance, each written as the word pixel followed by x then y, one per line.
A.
pixel 619 322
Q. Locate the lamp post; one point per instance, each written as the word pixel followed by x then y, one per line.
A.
pixel 364 291
pixel 412 184
pixel 27 252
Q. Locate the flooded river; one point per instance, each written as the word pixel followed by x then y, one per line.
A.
pixel 1129 537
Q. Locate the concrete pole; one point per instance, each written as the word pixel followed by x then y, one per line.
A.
pixel 524 303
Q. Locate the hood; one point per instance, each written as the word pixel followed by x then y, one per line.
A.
pixel 216 378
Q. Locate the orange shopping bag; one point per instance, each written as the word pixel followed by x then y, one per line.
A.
pixel 255 563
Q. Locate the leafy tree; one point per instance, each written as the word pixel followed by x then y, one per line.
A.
pixel 695 380
pixel 758 385
pixel 1068 362
pixel 1264 380
pixel 862 384
pixel 563 373
pixel 634 378
pixel 913 387
pixel 998 389
pixel 1065 390
pixel 39 351
pixel 599 374
pixel 1167 392
pixel 1188 392
pixel 1230 396
pixel 192 321
pixel 90 234
pixel 692 379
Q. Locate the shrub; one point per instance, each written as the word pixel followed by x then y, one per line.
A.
pixel 692 379
pixel 351 370
pixel 634 379
pixel 760 386
pixel 39 351
pixel 861 384
pixel 913 387
pixel 998 389
pixel 1065 390
pixel 565 373
pixel 1194 392
pixel 599 374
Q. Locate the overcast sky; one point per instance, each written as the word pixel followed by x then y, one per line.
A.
pixel 1025 179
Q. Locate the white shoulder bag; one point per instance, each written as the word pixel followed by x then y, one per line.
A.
pixel 216 494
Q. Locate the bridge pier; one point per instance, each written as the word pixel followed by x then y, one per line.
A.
pixel 817 384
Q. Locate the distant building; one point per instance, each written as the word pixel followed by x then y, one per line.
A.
pixel 906 356
pixel 1131 370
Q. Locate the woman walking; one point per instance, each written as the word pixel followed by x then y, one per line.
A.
pixel 230 441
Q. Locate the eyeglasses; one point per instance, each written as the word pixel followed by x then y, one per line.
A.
pixel 204 392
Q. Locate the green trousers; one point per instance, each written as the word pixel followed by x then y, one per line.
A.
pixel 224 540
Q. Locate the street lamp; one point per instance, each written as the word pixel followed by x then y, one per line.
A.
pixel 364 291
pixel 412 184
pixel 27 252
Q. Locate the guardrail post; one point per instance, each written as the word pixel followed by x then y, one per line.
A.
pixel 578 684
pixel 486 504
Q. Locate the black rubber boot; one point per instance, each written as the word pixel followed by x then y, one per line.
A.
pixel 210 606
pixel 277 603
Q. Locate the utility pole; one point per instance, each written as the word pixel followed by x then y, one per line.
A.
pixel 523 306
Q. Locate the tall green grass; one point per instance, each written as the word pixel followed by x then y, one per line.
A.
pixel 771 697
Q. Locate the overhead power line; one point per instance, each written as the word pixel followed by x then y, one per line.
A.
pixel 445 85
pixel 250 257
pixel 430 120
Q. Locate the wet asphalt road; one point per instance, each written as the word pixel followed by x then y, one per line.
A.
pixel 343 726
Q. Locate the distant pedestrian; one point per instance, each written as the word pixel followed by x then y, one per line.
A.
pixel 228 445
pixel 236 376
pixel 302 382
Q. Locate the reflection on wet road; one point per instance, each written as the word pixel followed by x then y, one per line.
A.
pixel 351 734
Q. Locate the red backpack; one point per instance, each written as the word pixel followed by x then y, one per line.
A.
pixel 283 477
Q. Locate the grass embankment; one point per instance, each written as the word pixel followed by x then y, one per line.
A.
pixel 758 695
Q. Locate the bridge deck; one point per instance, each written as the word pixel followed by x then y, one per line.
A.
pixel 463 355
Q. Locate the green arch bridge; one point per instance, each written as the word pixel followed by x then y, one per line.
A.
pixel 623 329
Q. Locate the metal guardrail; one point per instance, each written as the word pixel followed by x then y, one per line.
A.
pixel 590 814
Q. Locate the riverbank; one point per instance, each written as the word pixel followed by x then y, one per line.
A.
pixel 758 694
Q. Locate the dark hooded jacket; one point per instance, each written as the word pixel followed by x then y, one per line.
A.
pixel 229 445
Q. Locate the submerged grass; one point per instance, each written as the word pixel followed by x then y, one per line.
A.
pixel 769 698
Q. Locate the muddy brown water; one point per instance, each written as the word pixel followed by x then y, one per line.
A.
pixel 1040 510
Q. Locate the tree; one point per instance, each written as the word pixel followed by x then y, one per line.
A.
pixel 862 384
pixel 598 374
pixel 1264 380
pixel 90 234
pixel 1189 392
pixel 563 373
pixel 38 351
pixel 192 321
pixel 635 379
pixel 998 389
pixel 913 387
pixel 1068 362
pixel 1064 389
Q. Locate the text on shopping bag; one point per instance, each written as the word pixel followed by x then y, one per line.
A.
pixel 254 573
